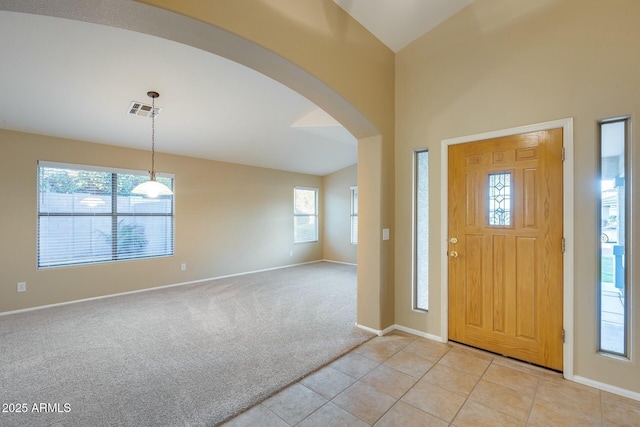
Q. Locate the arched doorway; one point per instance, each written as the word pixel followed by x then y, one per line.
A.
pixel 375 275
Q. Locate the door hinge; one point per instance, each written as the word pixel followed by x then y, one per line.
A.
pixel 563 154
pixel 564 246
pixel 563 336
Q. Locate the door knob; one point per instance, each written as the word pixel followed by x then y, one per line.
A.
pixel 453 254
pixel 453 240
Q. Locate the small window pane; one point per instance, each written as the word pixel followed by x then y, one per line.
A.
pixel 64 240
pixel 354 215
pixel 144 236
pixel 500 199
pixel 305 215
pixel 136 204
pixel 305 229
pixel 305 201
pixel 74 191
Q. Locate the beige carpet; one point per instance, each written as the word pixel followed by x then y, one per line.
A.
pixel 189 355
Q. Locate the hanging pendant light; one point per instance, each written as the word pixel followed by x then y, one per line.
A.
pixel 152 188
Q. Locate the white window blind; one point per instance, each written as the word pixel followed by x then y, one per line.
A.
pixel 305 215
pixel 88 215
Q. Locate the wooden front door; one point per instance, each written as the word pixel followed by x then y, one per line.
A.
pixel 505 246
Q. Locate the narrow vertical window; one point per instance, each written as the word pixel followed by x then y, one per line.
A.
pixel 500 199
pixel 354 215
pixel 421 231
pixel 614 239
pixel 305 215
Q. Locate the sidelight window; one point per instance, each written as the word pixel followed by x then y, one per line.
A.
pixel 421 231
pixel 613 236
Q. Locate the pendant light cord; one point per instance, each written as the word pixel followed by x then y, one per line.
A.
pixel 152 188
pixel 153 138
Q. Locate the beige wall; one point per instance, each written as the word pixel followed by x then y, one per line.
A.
pixel 229 219
pixel 500 64
pixel 337 244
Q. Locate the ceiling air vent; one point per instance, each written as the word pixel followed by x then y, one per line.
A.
pixel 143 110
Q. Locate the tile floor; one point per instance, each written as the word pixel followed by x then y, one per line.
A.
pixel 404 380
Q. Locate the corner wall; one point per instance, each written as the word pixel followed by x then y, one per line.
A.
pixel 337 244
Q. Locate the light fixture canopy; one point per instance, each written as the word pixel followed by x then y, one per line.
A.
pixel 152 188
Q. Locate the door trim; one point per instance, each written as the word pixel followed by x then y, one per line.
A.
pixel 568 220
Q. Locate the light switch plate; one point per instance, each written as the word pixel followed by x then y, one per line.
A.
pixel 385 234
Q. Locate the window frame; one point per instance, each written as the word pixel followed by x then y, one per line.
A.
pixel 114 215
pixel 625 354
pixel 492 212
pixel 315 215
pixel 415 304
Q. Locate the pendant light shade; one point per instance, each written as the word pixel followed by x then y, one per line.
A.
pixel 152 188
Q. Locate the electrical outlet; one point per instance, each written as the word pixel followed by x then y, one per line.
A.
pixel 22 286
pixel 291 252
pixel 183 266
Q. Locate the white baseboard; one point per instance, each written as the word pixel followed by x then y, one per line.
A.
pixel 339 262
pixel 607 387
pixel 41 307
pixel 378 332
pixel 418 333
pixel 381 332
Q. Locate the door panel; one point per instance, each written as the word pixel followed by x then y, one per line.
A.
pixel 505 280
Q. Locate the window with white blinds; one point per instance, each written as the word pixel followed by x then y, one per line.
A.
pixel 354 215
pixel 305 215
pixel 88 215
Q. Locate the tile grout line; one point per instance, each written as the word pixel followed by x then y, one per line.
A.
pixel 268 409
pixel 318 408
pixel 397 399
pixel 539 376
pixel 359 379
pixel 466 399
pixel 533 401
pixel 419 379
pixel 299 382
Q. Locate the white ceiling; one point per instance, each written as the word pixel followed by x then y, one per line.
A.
pixel 76 80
